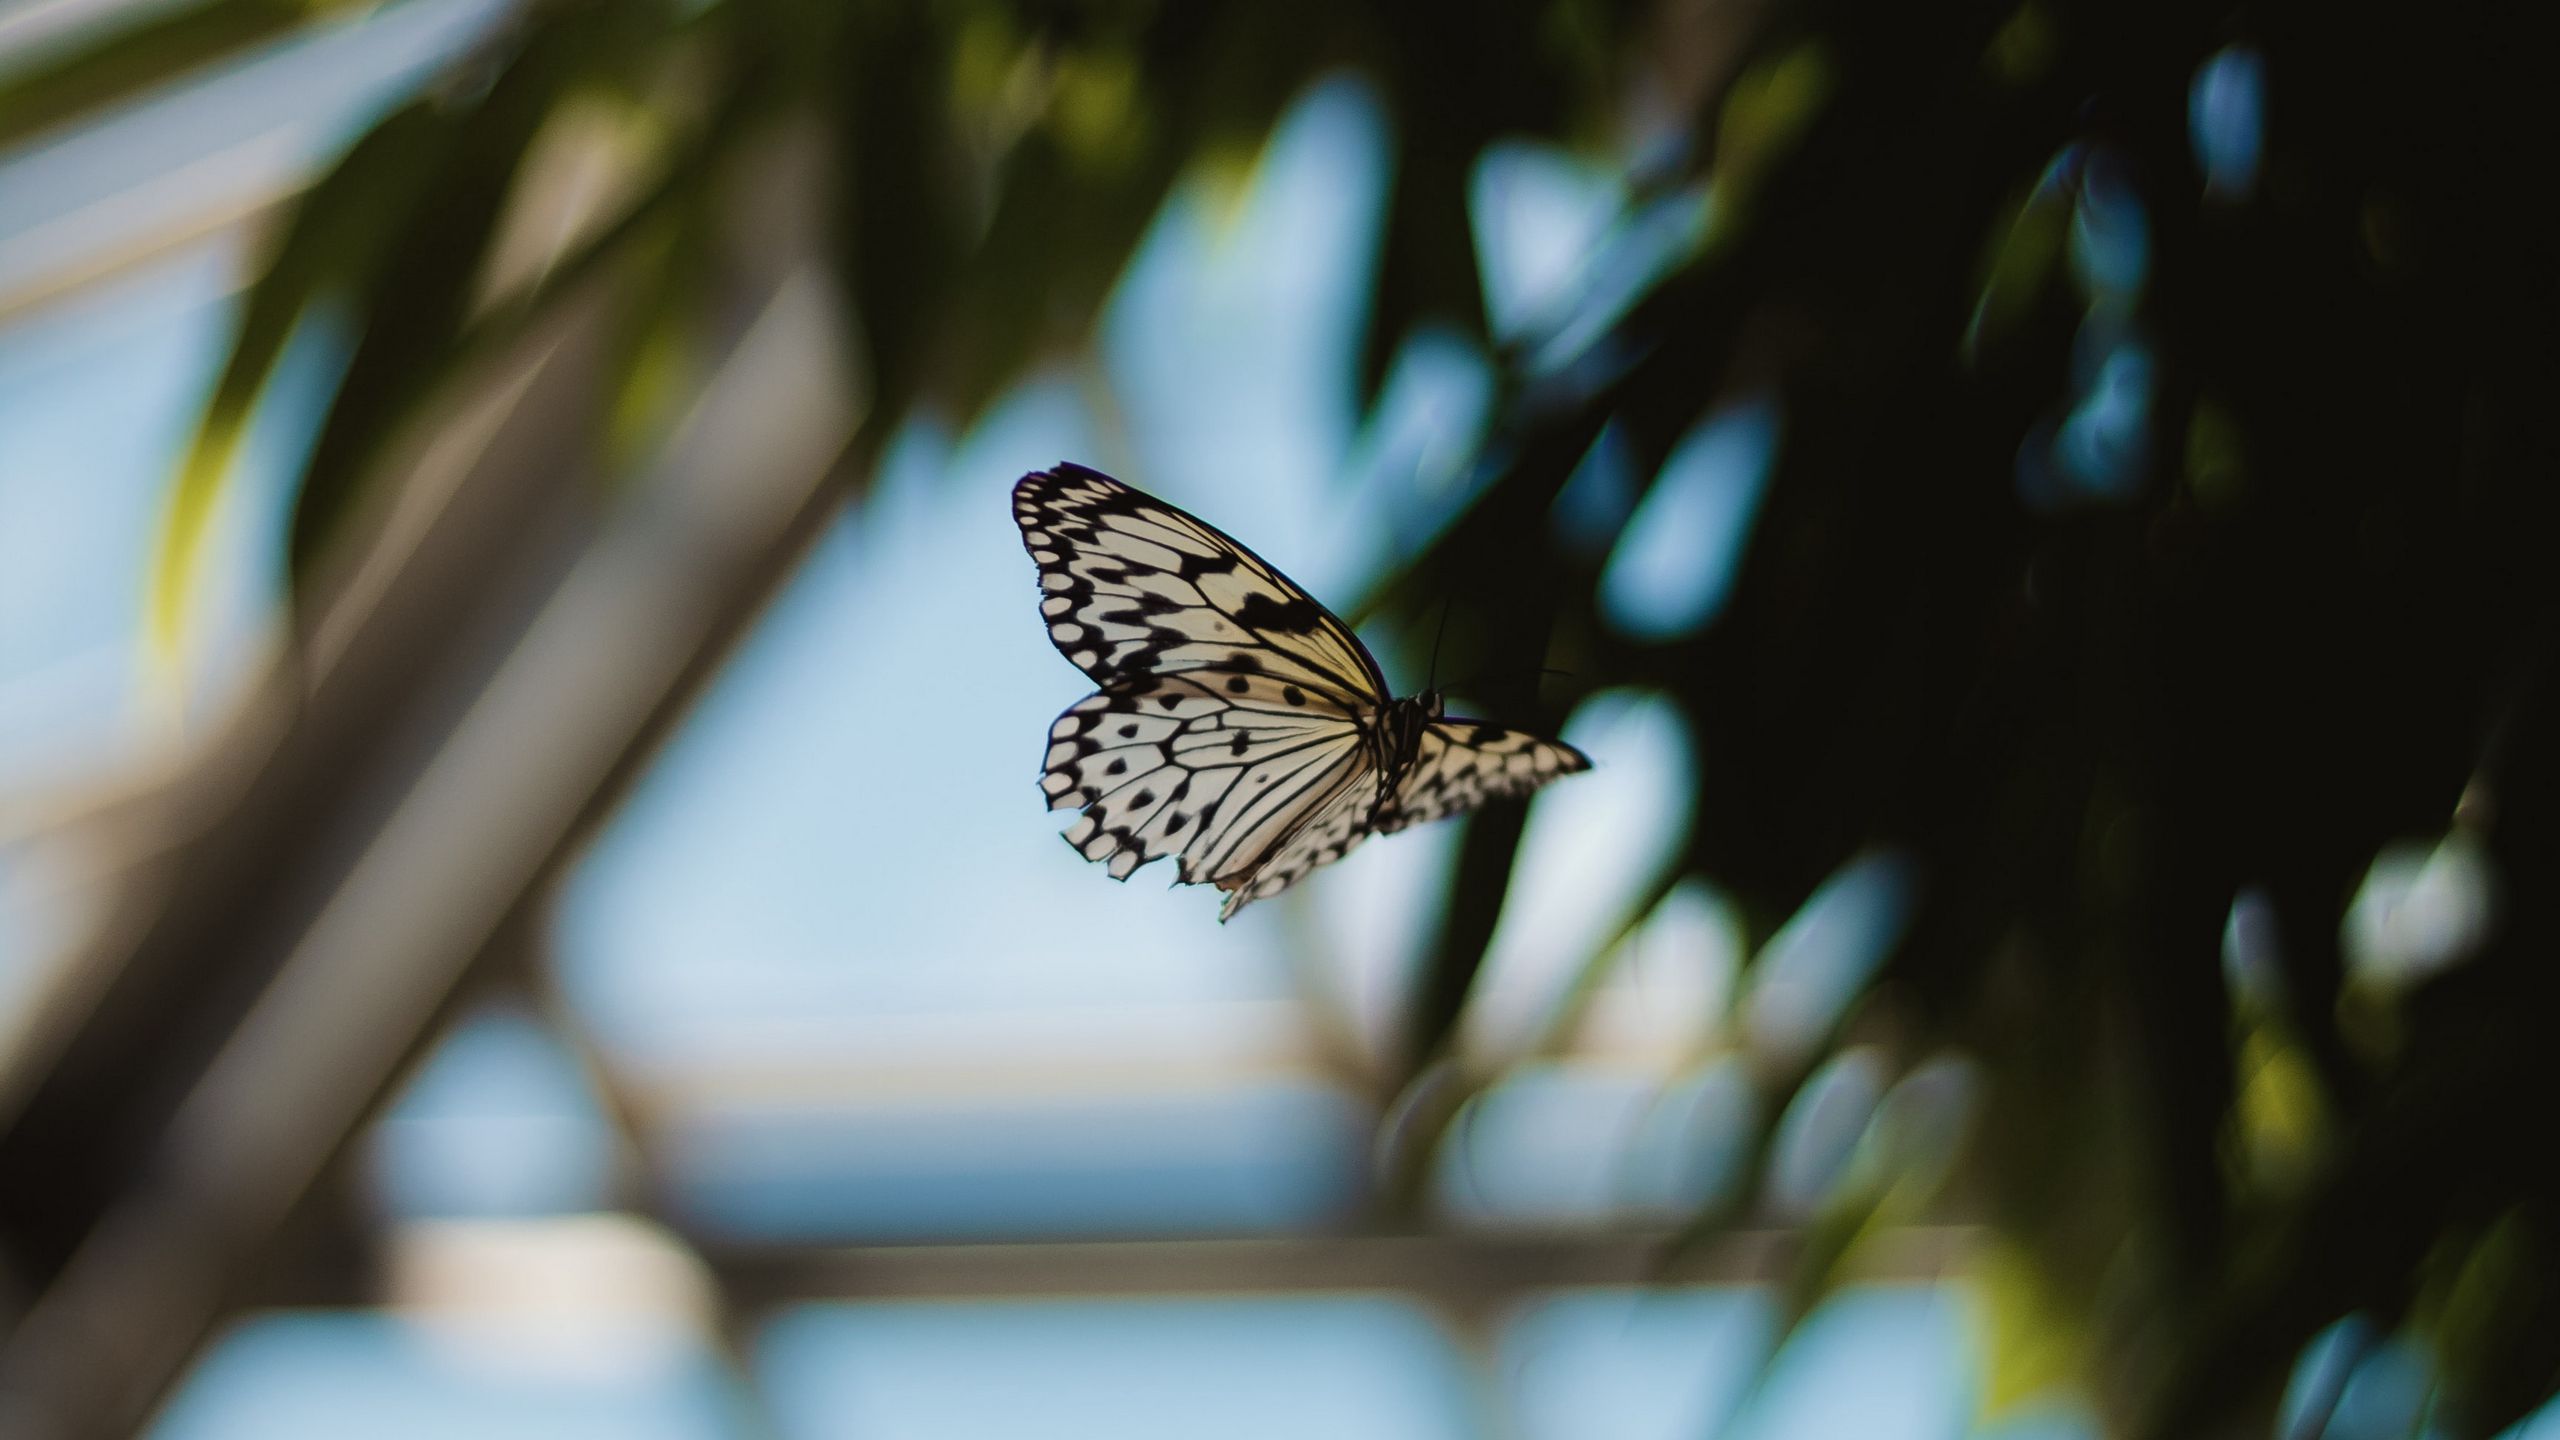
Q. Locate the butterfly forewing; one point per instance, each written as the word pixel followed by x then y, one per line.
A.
pixel 1240 723
pixel 1131 586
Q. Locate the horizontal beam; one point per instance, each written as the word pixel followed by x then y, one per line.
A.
pixel 1464 1273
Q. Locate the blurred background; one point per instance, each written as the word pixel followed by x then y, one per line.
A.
pixel 525 907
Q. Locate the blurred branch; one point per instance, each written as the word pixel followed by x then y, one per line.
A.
pixel 159 45
pixel 1472 1275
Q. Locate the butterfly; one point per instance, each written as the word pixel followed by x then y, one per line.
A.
pixel 1241 726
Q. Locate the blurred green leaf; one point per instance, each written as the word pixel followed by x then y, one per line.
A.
pixel 331 247
pixel 2025 47
pixel 2023 269
pixel 2036 1342
pixel 412 316
pixel 1767 110
pixel 1082 164
pixel 2494 1326
pixel 899 209
pixel 2217 469
pixel 2280 1128
pixel 656 363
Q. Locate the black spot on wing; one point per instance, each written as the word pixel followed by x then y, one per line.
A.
pixel 1297 616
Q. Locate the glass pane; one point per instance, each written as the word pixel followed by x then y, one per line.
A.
pixel 1347 1368
pixel 282 1377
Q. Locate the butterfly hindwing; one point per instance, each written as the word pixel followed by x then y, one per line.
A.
pixel 1460 764
pixel 1194 766
pixel 1322 838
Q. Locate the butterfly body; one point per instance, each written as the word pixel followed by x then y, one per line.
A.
pixel 1394 736
pixel 1240 725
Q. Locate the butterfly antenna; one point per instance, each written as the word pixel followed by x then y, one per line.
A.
pixel 1436 632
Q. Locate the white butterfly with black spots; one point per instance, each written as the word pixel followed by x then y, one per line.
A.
pixel 1240 726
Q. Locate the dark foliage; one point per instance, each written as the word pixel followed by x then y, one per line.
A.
pixel 2305 614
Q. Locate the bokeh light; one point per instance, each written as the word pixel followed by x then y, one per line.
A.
pixel 1675 563
pixel 2226 121
pixel 1808 974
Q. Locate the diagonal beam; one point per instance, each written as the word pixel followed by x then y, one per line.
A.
pixel 485 689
